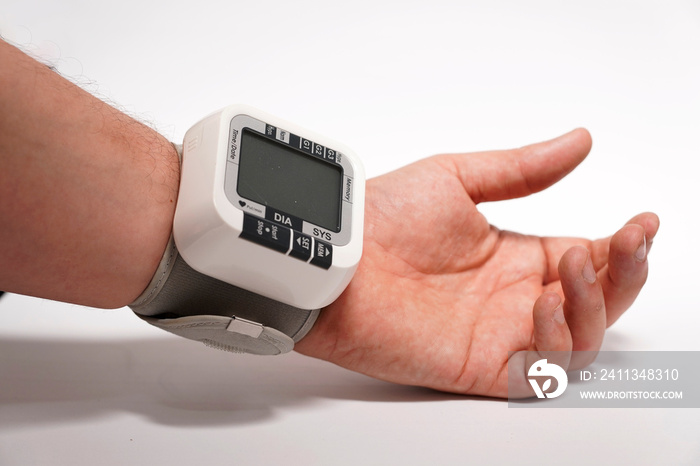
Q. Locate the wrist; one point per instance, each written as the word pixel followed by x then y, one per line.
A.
pixel 158 168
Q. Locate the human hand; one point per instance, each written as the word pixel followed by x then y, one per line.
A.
pixel 441 297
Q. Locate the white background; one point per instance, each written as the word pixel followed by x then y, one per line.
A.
pixel 397 81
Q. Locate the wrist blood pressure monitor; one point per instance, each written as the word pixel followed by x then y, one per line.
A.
pixel 268 229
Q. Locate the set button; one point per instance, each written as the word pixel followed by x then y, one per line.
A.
pixel 302 246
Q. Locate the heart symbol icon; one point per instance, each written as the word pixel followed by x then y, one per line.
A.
pixel 241 203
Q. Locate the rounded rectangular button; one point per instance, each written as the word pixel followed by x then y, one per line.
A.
pixel 323 255
pixel 302 246
pixel 266 233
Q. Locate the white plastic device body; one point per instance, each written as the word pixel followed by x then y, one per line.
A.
pixel 223 234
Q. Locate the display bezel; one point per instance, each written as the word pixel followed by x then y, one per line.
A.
pixel 300 146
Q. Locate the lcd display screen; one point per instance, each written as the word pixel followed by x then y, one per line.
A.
pixel 276 175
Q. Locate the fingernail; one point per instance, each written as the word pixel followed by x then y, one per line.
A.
pixel 558 315
pixel 641 253
pixel 588 272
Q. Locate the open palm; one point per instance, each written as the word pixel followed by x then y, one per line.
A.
pixel 441 297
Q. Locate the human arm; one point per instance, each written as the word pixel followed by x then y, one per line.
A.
pixel 87 194
pixel 87 199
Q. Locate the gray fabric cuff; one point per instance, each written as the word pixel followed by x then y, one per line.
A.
pixel 193 305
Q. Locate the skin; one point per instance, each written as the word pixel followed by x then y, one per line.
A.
pixel 87 194
pixel 445 314
pixel 87 198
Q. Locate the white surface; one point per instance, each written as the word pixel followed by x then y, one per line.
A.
pixel 396 81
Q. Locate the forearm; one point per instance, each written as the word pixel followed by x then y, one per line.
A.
pixel 87 194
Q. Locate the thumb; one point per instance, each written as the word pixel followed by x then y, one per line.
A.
pixel 508 174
